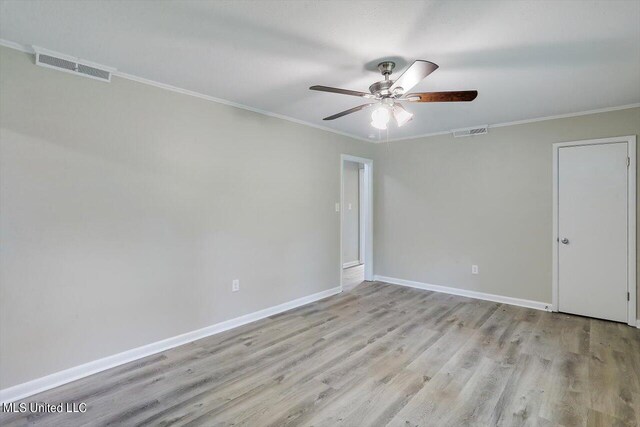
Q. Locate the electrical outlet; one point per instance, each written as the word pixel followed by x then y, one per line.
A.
pixel 474 269
pixel 349 206
pixel 235 285
pixel 337 207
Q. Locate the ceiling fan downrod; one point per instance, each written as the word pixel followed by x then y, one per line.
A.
pixel 386 68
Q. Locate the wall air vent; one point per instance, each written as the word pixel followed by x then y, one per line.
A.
pixel 478 130
pixel 69 64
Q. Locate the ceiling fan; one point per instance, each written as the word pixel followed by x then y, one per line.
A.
pixel 388 94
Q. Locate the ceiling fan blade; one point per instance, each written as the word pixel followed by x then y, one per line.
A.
pixel 349 111
pixel 459 96
pixel 401 115
pixel 414 75
pixel 341 91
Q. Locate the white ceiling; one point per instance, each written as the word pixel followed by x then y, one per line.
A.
pixel 527 59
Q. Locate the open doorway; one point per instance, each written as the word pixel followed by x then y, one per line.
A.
pixel 355 221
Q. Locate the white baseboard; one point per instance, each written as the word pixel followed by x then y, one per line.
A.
pixel 38 385
pixel 465 293
pixel 351 264
pixel 638 324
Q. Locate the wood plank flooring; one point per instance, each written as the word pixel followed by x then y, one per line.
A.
pixel 377 355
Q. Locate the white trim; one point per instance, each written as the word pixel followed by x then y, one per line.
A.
pixel 466 293
pixel 638 324
pixel 632 283
pixel 368 214
pixel 521 122
pixel 27 49
pixel 631 219
pixel 422 135
pixel 233 104
pixel 38 385
pixel 351 264
pixel 568 115
pixel 361 212
pixel 16 46
pixel 554 231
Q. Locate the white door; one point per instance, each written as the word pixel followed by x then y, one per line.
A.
pixel 592 230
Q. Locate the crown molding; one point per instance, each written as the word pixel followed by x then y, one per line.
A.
pixel 567 115
pixel 525 121
pixel 28 49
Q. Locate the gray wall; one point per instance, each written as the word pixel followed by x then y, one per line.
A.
pixel 443 204
pixel 351 220
pixel 127 210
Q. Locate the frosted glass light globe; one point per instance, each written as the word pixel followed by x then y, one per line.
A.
pixel 380 117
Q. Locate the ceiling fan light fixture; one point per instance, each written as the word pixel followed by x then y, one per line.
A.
pixel 389 94
pixel 380 126
pixel 380 117
pixel 401 115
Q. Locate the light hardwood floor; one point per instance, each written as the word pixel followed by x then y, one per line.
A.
pixel 377 355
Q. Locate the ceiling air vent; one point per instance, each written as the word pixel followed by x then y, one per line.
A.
pixel 478 130
pixel 69 64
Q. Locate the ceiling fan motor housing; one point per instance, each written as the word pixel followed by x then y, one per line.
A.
pixel 381 88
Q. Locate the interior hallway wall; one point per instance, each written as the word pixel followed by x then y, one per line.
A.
pixel 127 210
pixel 443 204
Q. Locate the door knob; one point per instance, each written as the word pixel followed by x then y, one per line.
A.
pixel 565 241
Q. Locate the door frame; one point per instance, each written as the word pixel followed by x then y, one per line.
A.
pixel 361 211
pixel 368 212
pixel 631 220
